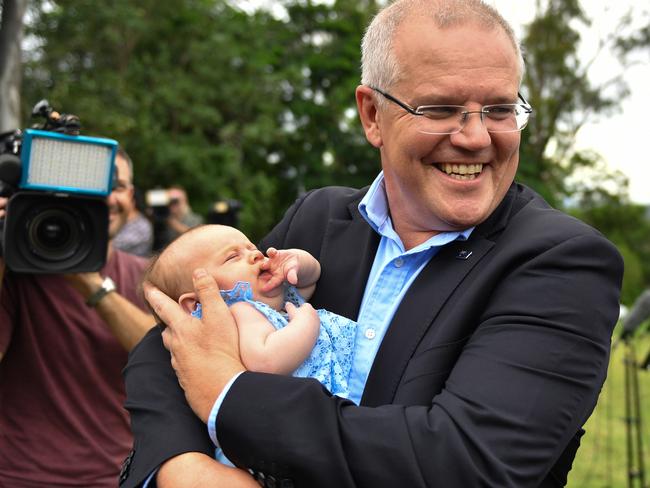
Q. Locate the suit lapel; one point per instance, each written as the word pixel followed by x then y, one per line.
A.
pixel 427 295
pixel 346 256
pixel 416 314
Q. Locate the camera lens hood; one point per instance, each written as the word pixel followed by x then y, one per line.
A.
pixel 49 233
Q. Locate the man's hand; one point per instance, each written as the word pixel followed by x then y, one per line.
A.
pixel 205 353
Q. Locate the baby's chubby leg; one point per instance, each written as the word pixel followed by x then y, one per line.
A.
pixel 196 470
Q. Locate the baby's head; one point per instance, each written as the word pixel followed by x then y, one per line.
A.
pixel 223 251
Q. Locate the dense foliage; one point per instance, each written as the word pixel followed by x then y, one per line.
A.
pixel 260 108
pixel 229 105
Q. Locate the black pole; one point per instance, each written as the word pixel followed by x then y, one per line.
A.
pixel 633 431
pixel 629 456
pixel 639 423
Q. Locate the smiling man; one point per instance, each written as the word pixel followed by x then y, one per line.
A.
pixel 447 159
pixel 485 316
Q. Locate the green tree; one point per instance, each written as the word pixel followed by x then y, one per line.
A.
pixel 184 86
pixel 202 94
pixel 325 144
pixel 559 87
pixel 248 106
pixel 11 33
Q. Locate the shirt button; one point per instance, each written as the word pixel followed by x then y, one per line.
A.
pixel 399 262
pixel 370 333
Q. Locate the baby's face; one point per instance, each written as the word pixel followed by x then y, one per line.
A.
pixel 229 257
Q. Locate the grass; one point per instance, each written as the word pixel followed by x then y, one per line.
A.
pixel 601 461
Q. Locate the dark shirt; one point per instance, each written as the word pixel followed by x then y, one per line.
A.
pixel 61 393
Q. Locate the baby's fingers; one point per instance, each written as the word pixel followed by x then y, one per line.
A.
pixel 291 309
pixel 292 276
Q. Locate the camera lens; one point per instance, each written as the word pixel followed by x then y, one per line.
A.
pixel 54 234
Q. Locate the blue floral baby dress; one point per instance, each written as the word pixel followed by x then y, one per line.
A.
pixel 330 359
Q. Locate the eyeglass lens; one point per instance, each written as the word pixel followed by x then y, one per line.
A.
pixel 450 119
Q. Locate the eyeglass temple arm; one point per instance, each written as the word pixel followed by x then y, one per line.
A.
pixel 521 97
pixel 388 96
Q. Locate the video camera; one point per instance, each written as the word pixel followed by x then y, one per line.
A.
pixel 57 182
pixel 158 201
pixel 224 212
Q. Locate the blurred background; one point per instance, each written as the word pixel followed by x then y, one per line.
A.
pixel 252 103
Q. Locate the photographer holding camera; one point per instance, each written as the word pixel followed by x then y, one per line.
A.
pixel 181 217
pixel 170 213
pixel 64 340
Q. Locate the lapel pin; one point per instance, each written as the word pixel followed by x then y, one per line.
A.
pixel 463 255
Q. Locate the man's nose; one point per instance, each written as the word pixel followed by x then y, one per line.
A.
pixel 474 135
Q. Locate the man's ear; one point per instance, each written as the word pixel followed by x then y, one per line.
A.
pixel 368 113
pixel 188 301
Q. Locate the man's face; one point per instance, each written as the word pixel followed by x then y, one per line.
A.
pixel 120 201
pixel 462 65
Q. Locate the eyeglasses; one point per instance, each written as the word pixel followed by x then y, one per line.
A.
pixel 450 119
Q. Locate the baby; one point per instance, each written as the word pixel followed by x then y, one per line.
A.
pixel 278 331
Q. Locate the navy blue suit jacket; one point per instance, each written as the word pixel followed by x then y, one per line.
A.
pixel 491 364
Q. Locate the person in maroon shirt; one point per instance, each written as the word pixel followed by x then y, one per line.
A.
pixel 62 423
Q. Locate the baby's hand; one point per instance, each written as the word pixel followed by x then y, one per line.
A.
pixel 283 266
pixel 305 313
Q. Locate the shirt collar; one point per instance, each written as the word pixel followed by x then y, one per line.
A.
pixel 374 209
pixel 374 205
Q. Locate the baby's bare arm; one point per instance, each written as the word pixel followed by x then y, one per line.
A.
pixel 266 349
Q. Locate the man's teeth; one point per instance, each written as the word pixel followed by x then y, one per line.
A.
pixel 462 171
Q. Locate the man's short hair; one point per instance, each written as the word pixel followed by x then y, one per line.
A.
pixel 124 155
pixel 379 65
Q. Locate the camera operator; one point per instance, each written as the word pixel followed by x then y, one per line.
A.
pixel 181 217
pixel 136 237
pixel 63 342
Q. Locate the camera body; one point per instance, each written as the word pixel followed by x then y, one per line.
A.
pixel 56 217
pixel 224 212
pixel 159 202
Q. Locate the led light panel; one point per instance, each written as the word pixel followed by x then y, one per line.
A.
pixel 76 164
